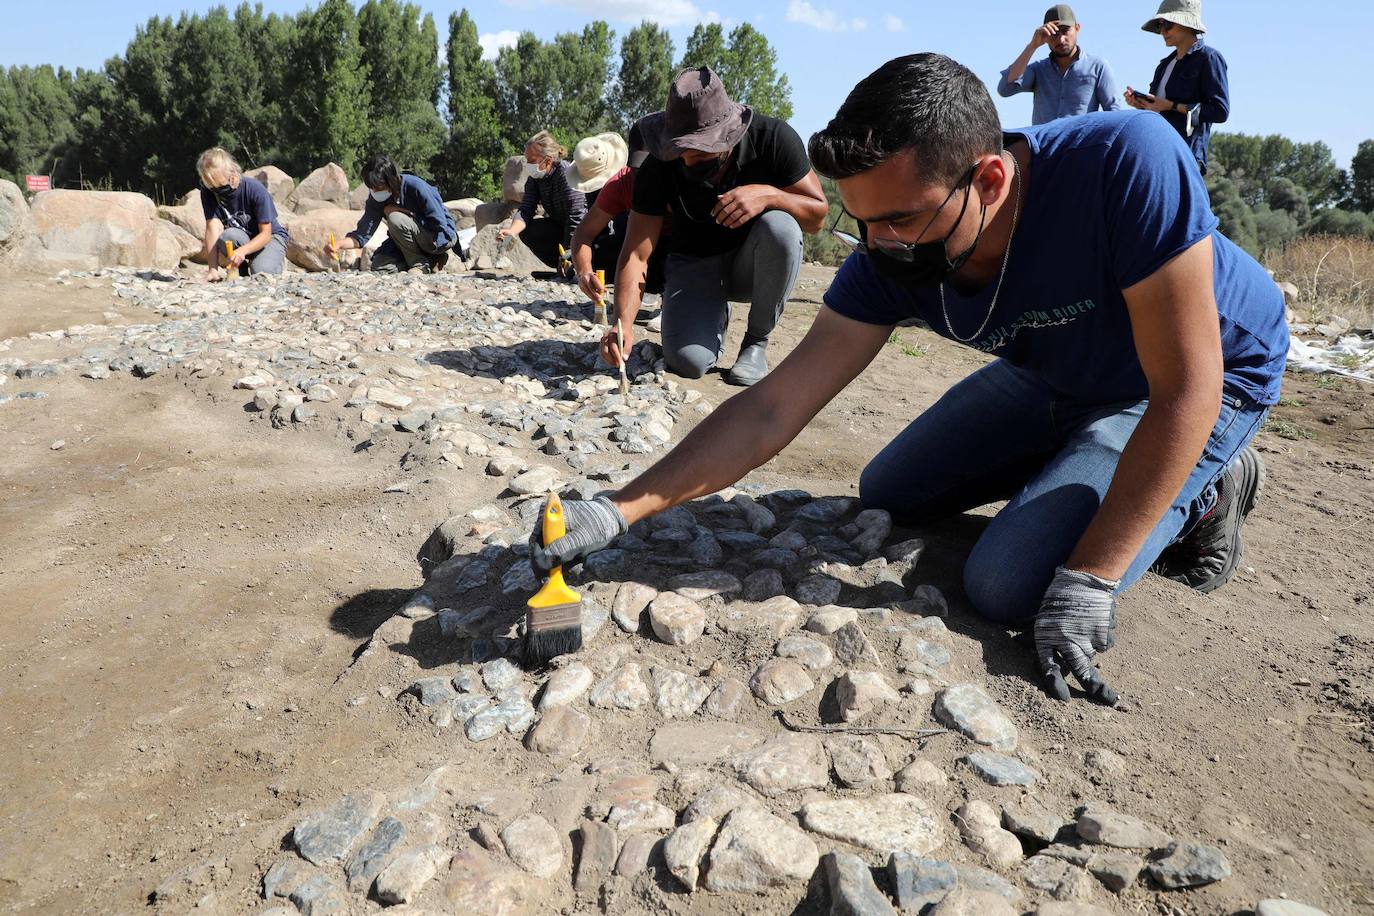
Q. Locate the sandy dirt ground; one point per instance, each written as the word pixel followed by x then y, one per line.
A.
pixel 184 588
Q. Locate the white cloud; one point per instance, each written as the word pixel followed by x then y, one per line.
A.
pixel 802 12
pixel 493 42
pixel 893 24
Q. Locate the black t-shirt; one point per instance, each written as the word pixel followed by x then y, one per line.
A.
pixel 770 152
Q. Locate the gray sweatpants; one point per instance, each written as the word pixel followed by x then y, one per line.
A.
pixel 269 260
pixel 407 244
pixel 697 292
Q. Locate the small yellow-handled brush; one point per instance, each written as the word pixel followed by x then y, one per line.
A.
pixel 624 358
pixel 334 248
pixel 229 256
pixel 553 621
pixel 600 311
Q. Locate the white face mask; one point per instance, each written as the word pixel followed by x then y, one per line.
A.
pixel 380 196
pixel 532 170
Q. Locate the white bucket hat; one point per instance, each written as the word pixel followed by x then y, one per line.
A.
pixel 1187 13
pixel 596 160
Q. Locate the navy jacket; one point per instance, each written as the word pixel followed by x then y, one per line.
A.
pixel 1198 81
pixel 423 200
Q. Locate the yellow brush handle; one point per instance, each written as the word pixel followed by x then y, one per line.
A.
pixel 554 525
pixel 229 248
pixel 555 592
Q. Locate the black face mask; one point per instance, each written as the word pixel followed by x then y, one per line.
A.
pixel 702 171
pixel 222 193
pixel 929 263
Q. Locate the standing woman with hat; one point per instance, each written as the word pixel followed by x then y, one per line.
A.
pixel 1189 88
pixel 546 184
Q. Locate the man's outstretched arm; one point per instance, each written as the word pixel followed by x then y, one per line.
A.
pixel 753 426
pixel 740 435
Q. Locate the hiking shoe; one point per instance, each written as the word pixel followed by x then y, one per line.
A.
pixel 1207 557
pixel 751 365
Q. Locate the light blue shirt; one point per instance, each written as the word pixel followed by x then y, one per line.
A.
pixel 1088 85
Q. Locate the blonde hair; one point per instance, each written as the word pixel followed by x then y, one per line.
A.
pixel 547 145
pixel 217 159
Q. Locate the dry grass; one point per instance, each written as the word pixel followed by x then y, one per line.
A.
pixel 1334 275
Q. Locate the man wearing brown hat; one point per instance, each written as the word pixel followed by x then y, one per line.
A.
pixel 742 192
pixel 1070 81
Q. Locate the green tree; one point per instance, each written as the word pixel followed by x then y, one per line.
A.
pixel 1287 197
pixel 750 72
pixel 1362 177
pixel 646 70
pixel 1274 229
pixel 475 153
pixel 580 66
pixel 705 48
pixel 525 90
pixel 37 120
pixel 328 120
pixel 400 56
pixel 1332 221
pixel 1236 219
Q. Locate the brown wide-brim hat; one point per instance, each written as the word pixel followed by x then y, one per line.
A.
pixel 699 116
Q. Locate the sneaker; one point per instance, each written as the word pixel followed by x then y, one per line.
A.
pixel 751 365
pixel 1207 557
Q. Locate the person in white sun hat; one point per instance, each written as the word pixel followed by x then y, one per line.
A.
pixel 1189 88
pixel 596 161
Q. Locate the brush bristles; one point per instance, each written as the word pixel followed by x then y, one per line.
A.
pixel 543 646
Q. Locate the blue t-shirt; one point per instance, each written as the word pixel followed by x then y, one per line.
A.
pixel 249 207
pixel 1112 197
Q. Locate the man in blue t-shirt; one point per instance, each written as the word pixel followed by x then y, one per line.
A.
pixel 1138 353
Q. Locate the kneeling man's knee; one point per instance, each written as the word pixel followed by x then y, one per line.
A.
pixel 781 226
pixel 1001 590
pixel 690 361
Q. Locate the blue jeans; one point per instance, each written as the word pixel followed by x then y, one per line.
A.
pixel 1001 434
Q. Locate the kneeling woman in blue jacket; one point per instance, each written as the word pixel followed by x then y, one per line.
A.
pixel 419 229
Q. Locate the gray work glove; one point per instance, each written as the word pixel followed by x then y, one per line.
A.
pixel 1077 620
pixel 591 525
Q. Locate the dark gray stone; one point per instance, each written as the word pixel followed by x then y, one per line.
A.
pixel 1189 865
pixel 432 691
pixel 1001 770
pixel 919 883
pixel 320 896
pixel 852 890
pixel 371 857
pixel 327 835
pixel 285 875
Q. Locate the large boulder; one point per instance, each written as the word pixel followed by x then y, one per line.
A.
pixel 29 256
pixel 14 215
pixel 189 217
pixel 486 253
pixel 464 212
pixel 309 205
pixel 278 183
pixel 310 231
pixel 357 198
pixel 118 227
pixel 175 243
pixel 493 213
pixel 513 179
pixel 328 182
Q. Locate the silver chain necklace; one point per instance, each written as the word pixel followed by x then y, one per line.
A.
pixel 1006 256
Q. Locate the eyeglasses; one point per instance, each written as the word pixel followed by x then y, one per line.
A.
pixel 893 248
pixel 1164 25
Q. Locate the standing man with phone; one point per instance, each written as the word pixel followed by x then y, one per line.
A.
pixel 1070 81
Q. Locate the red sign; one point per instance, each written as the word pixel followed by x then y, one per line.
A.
pixel 38 182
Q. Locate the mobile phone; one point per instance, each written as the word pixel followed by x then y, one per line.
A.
pixel 1144 97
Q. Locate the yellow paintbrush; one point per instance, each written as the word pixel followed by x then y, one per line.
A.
pixel 553 620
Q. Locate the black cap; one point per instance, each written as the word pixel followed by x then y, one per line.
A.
pixel 1061 13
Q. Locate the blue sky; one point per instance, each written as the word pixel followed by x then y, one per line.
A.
pixel 1307 79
